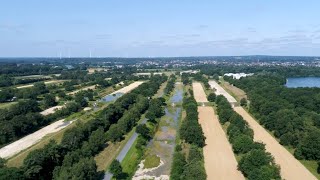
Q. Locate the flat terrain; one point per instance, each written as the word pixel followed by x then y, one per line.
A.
pixel 221 91
pixel 236 92
pixel 219 160
pixel 199 93
pixel 290 167
pixel 46 82
pixel 128 88
pixel 50 110
pixel 32 139
pixel 82 89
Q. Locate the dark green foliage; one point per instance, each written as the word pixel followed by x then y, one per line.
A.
pixel 212 97
pixel 49 100
pixel 190 130
pixel 258 161
pixel 243 102
pixel 84 169
pixel 170 85
pixel 11 173
pixel 144 131
pixel 194 170
pixel 115 168
pixel 178 164
pixel 309 146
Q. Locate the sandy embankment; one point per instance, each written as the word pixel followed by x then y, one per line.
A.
pixel 219 159
pixel 221 91
pixel 290 168
pixel 47 82
pixel 128 88
pixel 50 110
pixel 82 89
pixel 199 93
pixel 32 139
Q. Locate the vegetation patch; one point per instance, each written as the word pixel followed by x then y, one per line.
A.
pixel 151 161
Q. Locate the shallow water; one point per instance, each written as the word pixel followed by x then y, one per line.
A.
pixel 303 82
pixel 111 97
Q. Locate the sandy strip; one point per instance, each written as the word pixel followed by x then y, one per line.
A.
pixel 51 110
pixel 128 88
pixel 291 168
pixel 82 89
pixel 199 93
pixel 32 139
pixel 221 91
pixel 219 160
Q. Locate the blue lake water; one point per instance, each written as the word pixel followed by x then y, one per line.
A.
pixel 303 82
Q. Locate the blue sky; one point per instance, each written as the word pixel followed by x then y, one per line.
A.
pixel 143 28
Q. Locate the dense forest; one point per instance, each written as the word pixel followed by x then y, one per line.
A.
pixel 291 114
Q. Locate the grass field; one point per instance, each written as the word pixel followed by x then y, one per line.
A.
pixel 7 105
pixel 151 161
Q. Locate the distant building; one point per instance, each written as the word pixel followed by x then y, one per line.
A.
pixel 238 75
pixel 190 72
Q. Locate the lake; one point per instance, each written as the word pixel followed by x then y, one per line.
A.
pixel 303 82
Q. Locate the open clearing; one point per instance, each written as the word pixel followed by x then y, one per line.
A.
pixel 82 89
pixel 46 82
pixel 199 93
pixel 290 167
pixel 32 139
pixel 219 160
pixel 128 88
pixel 50 110
pixel 238 93
pixel 221 91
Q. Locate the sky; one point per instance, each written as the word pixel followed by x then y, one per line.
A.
pixel 146 28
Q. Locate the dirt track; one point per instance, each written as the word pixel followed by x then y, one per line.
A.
pixel 51 110
pixel 32 139
pixel 291 168
pixel 199 93
pixel 128 88
pixel 221 91
pixel 219 160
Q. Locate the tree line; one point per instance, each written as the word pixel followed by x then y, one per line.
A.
pixel 170 85
pixel 188 158
pixel 255 162
pixel 73 157
pixel 292 114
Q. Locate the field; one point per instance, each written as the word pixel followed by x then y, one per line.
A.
pixel 82 89
pixel 50 110
pixel 6 105
pixel 234 91
pixel 219 160
pixel 199 93
pixel 221 91
pixel 128 88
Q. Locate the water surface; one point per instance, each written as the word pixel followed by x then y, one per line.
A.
pixel 303 82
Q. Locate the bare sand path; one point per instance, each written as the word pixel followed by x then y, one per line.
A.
pixel 128 88
pixel 32 139
pixel 51 110
pixel 219 160
pixel 199 93
pixel 82 89
pixel 291 168
pixel 221 91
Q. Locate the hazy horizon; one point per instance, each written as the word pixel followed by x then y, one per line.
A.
pixel 158 29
